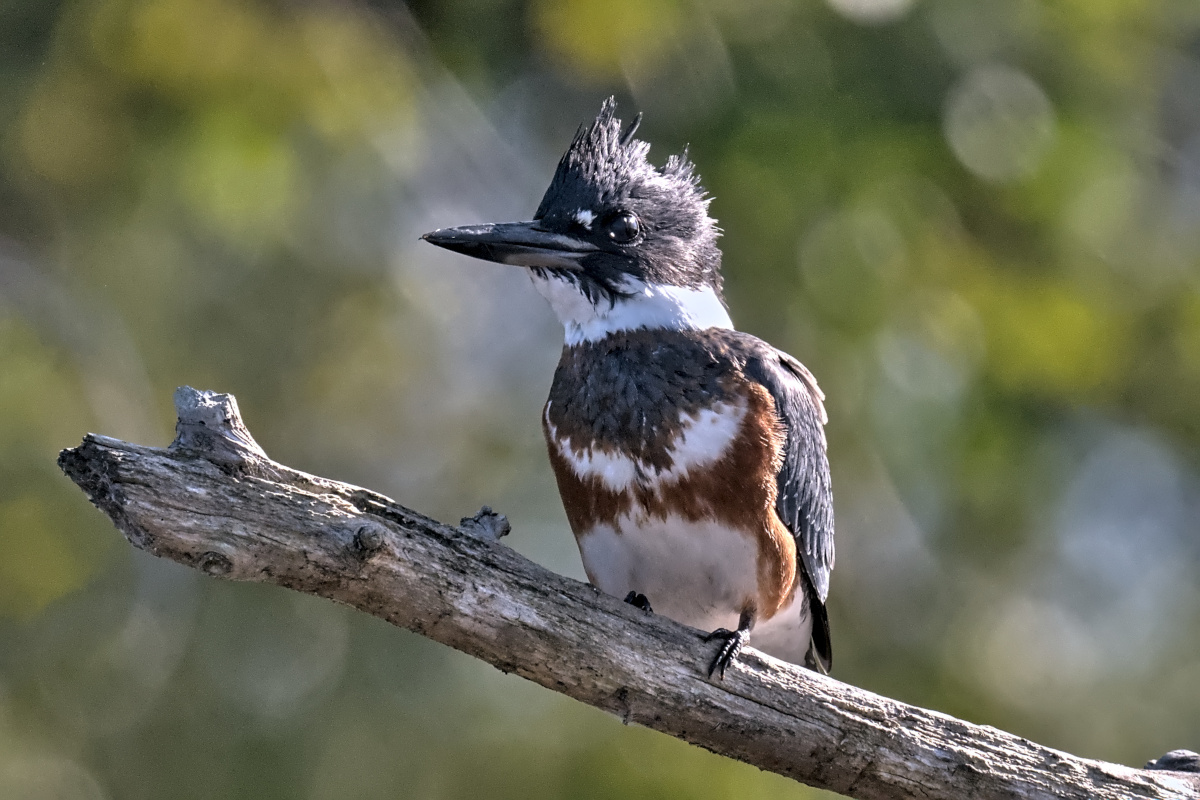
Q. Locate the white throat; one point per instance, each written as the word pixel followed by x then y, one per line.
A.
pixel 650 306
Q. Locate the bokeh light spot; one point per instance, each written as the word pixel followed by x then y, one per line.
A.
pixel 999 123
pixel 871 12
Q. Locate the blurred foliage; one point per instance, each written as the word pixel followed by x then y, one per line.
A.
pixel 978 224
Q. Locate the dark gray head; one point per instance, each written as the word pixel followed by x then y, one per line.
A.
pixel 615 243
pixel 647 223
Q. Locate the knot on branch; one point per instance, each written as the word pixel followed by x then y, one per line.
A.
pixel 486 524
pixel 369 537
pixel 215 564
pixel 1177 761
pixel 209 422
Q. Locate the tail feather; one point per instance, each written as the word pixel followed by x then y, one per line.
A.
pixel 820 649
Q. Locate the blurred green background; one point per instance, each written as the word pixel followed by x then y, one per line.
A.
pixel 977 222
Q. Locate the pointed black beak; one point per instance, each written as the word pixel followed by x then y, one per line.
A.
pixel 523 244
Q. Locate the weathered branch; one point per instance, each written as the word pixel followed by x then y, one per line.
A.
pixel 214 501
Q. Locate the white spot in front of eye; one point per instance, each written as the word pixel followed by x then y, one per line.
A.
pixel 585 218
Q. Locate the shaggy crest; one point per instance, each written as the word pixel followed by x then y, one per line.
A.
pixel 603 160
pixel 606 168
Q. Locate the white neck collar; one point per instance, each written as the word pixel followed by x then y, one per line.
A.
pixel 648 306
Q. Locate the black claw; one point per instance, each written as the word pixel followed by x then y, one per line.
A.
pixel 639 600
pixel 733 643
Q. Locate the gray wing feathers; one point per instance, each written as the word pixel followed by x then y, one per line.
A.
pixel 805 502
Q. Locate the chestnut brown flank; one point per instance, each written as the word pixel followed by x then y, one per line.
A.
pixel 738 490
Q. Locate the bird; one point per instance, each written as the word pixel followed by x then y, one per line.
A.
pixel 690 457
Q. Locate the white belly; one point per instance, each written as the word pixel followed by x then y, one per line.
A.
pixel 699 573
pixel 785 635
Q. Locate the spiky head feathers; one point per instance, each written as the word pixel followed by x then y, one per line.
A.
pixel 604 178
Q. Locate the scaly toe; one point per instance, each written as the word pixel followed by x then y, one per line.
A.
pixel 733 643
pixel 639 600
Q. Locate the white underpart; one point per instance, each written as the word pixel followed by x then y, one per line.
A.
pixel 703 439
pixel 650 306
pixel 698 573
pixel 585 218
pixel 785 635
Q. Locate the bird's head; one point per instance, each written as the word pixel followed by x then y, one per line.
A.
pixel 616 244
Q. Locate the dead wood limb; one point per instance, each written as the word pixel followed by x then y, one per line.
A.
pixel 214 501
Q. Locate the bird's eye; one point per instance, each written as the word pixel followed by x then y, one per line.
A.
pixel 624 227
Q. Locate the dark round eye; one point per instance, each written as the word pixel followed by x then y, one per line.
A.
pixel 624 227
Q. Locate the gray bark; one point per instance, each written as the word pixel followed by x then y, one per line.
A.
pixel 214 501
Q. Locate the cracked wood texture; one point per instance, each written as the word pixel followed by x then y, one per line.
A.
pixel 214 501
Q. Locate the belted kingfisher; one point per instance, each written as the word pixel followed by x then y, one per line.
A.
pixel 690 457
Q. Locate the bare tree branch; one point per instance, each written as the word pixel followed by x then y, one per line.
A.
pixel 214 501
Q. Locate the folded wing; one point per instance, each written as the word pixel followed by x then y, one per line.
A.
pixel 805 500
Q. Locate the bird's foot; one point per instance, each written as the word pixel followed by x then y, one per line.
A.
pixel 732 643
pixel 639 600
